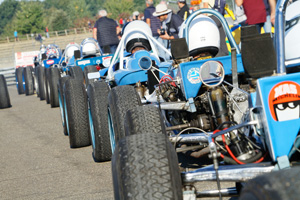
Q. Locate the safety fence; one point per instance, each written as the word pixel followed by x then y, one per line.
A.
pixel 26 37
pixel 9 74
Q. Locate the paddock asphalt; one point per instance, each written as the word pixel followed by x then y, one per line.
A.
pixel 37 162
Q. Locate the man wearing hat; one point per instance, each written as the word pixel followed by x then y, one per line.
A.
pixel 170 23
pixel 184 10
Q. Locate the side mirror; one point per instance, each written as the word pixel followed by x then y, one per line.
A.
pixel 212 73
pixel 145 63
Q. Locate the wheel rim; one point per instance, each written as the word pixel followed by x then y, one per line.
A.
pixel 61 107
pixel 92 130
pixel 66 113
pixel 111 132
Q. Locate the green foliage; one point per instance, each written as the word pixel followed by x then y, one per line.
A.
pixel 59 20
pixel 27 19
pixel 78 9
pixel 8 9
pixel 95 6
pixel 58 4
pixel 117 7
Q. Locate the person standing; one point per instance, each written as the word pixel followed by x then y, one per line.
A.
pixel 170 23
pixel 47 32
pixel 270 9
pixel 16 35
pixel 105 32
pixel 184 10
pixel 151 20
pixel 255 12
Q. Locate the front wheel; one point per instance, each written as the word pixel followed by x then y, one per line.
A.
pixel 145 166
pixel 19 80
pixel 97 93
pixel 120 100
pixel 77 113
pixel 61 83
pixel 27 74
pixel 53 77
pixel 4 95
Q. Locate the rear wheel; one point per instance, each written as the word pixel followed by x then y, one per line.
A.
pixel 98 99
pixel 277 185
pixel 61 98
pixel 120 100
pixel 27 74
pixel 89 69
pixel 145 166
pixel 77 113
pixel 19 80
pixel 77 73
pixel 41 82
pixel 53 86
pixel 4 95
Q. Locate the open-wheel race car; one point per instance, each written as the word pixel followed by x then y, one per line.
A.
pixel 238 114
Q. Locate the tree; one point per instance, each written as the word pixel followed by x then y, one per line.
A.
pixel 8 9
pixel 78 9
pixel 95 6
pixel 58 4
pixel 114 8
pixel 29 19
pixel 59 20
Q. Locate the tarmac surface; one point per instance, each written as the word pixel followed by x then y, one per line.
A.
pixel 37 162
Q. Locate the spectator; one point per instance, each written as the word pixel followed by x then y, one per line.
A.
pixel 170 23
pixel 255 12
pixel 16 35
pixel 47 32
pixel 105 32
pixel 151 20
pixel 121 22
pixel 270 9
pixel 89 24
pixel 136 16
pixel 184 10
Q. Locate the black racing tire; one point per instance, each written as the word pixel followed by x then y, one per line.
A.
pixel 86 70
pixel 27 74
pixel 277 185
pixel 61 83
pixel 120 100
pixel 98 93
pixel 77 73
pixel 53 77
pixel 145 166
pixel 77 113
pixel 47 85
pixel 36 83
pixel 4 94
pixel 41 82
pixel 19 80
pixel 142 118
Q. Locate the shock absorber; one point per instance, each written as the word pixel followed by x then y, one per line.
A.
pixel 219 105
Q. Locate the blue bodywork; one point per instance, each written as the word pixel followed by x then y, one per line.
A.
pixel 279 135
pixel 133 73
pixel 191 87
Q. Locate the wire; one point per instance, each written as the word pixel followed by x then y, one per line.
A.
pixel 190 128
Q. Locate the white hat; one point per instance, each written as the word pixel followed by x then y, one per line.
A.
pixel 161 9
